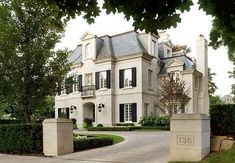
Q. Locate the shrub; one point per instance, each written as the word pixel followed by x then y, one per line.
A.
pixel 87 122
pixel 222 119
pixel 74 123
pixel 99 125
pixel 112 128
pixel 21 138
pixel 9 121
pixel 91 142
pixel 155 120
pixel 124 124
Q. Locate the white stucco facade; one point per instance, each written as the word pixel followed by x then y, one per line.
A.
pixel 118 78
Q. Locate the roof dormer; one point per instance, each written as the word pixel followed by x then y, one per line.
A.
pixel 88 46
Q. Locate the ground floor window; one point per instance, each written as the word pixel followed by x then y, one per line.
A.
pixel 146 109
pixel 128 112
pixel 63 113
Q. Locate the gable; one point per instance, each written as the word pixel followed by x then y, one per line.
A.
pixel 87 35
pixel 174 63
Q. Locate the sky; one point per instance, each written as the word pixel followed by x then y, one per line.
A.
pixel 192 24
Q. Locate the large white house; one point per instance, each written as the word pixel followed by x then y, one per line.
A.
pixel 117 77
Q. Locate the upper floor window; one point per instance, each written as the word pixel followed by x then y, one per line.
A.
pixel 88 51
pixel 127 77
pixel 153 47
pixel 88 79
pixel 150 78
pixel 175 75
pixel 63 89
pixel 75 84
pixel 103 79
pixel 168 53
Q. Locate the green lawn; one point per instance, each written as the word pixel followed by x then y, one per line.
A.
pixel 221 157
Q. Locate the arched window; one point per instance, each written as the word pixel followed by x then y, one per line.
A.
pixel 88 51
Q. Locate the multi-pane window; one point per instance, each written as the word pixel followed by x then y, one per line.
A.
pixel 128 112
pixel 88 51
pixel 127 77
pixel 63 89
pixel 175 75
pixel 103 79
pixel 182 108
pixel 146 109
pixel 153 47
pixel 88 79
pixel 149 78
pixel 175 109
pixel 75 84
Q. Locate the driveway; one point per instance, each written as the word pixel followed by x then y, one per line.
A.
pixel 138 147
pixel 149 147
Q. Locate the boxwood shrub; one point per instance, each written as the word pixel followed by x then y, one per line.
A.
pixel 222 119
pixel 124 124
pixel 91 142
pixel 9 121
pixel 21 138
pixel 155 120
pixel 112 128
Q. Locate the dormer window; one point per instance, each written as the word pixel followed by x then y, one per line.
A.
pixel 88 51
pixel 153 46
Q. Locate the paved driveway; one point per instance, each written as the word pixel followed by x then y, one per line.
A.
pixel 138 147
pixel 149 147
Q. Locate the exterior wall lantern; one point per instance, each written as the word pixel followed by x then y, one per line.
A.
pixel 100 106
pixel 72 108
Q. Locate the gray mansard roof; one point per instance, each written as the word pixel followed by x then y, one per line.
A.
pixel 117 45
pixel 188 63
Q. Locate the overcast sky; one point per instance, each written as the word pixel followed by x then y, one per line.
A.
pixel 193 23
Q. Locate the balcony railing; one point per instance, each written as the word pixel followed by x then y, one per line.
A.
pixel 88 91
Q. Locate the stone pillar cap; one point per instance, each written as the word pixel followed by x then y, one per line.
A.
pixel 189 116
pixel 57 120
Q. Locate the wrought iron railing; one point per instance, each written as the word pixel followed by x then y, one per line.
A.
pixel 88 90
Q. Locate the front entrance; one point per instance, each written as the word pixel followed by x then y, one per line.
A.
pixel 89 111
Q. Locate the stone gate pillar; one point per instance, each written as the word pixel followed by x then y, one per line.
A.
pixel 57 136
pixel 190 137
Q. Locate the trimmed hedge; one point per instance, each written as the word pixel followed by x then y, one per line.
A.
pixel 9 121
pixel 222 119
pixel 164 128
pixel 155 120
pixel 21 138
pixel 124 124
pixel 112 128
pixel 91 142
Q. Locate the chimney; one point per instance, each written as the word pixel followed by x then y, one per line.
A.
pixel 202 66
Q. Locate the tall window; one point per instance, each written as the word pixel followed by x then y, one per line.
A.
pixel 127 78
pixel 150 78
pixel 128 112
pixel 175 75
pixel 182 108
pixel 63 89
pixel 75 85
pixel 153 47
pixel 88 79
pixel 103 79
pixel 88 51
pixel 175 109
pixel 146 109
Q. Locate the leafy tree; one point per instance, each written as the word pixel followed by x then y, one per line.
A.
pixel 215 100
pixel 173 91
pixel 211 85
pixel 30 70
pixel 148 15
pixel 223 27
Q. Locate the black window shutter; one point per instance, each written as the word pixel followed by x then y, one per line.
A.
pixel 134 77
pixel 59 112
pixel 121 112
pixel 80 82
pixel 67 113
pixel 108 75
pixel 97 80
pixel 121 78
pixel 134 112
